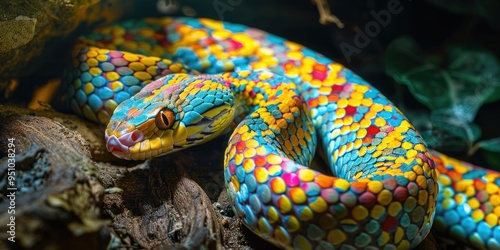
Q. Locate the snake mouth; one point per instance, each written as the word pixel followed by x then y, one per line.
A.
pixel 121 144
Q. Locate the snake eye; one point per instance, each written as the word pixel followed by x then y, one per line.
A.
pixel 165 119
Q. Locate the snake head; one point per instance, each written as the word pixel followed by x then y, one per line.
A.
pixel 169 114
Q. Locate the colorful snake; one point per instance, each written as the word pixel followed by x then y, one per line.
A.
pixel 143 79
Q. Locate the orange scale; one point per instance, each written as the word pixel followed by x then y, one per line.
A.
pixel 324 181
pixel 240 145
pixel 288 65
pixel 210 41
pixel 320 67
pixel 359 187
pixel 298 150
pixel 367 140
pixel 300 133
pixel 313 103
pixel 479 185
pixel 197 47
pixel 260 160
pixel 455 176
pixel 333 97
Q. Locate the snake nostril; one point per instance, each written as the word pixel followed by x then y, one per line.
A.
pixel 131 138
pixel 123 142
pixel 136 136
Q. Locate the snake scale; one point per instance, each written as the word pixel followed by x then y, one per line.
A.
pixel 165 84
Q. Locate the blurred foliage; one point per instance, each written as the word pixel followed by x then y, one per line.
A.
pixel 453 86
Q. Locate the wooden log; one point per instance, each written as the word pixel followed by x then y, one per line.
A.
pixel 95 205
pixel 55 197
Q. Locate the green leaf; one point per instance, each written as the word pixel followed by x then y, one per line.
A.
pixel 454 93
pixel 491 145
pixel 476 66
pixel 405 63
pixel 447 120
pixel 434 136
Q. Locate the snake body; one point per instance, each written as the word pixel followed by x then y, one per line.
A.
pixel 143 79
